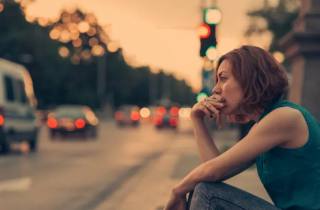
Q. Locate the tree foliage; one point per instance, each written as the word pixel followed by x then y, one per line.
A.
pixel 278 20
pixel 58 80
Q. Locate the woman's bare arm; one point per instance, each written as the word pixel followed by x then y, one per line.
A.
pixel 206 145
pixel 278 128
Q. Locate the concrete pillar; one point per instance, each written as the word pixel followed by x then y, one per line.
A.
pixel 302 49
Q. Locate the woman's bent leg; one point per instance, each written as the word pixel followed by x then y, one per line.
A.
pixel 220 196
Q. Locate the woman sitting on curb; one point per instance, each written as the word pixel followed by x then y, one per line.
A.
pixel 284 141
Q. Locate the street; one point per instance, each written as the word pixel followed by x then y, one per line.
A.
pixel 75 173
pixel 125 168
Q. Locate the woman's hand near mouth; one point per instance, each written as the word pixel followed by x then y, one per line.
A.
pixel 215 103
pixel 210 107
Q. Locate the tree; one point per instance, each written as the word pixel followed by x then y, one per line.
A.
pixel 277 19
pixel 58 76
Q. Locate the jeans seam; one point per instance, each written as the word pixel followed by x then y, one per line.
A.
pixel 227 201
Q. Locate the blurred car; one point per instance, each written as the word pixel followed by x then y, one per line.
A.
pixel 68 119
pixel 166 117
pixel 18 120
pixel 127 115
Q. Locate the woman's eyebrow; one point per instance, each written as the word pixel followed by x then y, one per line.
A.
pixel 220 73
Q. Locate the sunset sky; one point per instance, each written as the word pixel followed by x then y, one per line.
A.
pixel 162 34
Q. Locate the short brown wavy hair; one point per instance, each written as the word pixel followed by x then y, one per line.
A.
pixel 262 78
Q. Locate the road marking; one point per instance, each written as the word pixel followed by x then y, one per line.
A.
pixel 19 184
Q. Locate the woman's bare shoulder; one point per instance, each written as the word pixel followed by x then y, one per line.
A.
pixel 284 123
pixel 284 115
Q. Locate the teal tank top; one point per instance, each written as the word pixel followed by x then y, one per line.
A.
pixel 292 176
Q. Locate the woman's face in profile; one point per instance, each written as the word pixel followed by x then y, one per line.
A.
pixel 228 88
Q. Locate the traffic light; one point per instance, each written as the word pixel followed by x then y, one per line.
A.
pixel 207 38
pixel 204 93
pixel 207 33
pixel 201 96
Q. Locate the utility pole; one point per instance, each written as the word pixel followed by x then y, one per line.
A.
pixel 101 80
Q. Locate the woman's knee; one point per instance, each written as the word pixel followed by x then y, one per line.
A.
pixel 203 194
pixel 211 189
pixel 210 195
pixel 201 188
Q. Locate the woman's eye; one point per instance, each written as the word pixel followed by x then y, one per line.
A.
pixel 223 78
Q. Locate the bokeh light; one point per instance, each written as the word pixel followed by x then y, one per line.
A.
pixel 1 7
pixel 86 55
pixel 77 43
pixel 43 22
pixel 145 112
pixel 201 96
pixel 93 41
pixel 65 36
pixel 54 34
pixel 204 31
pixel 213 16
pixel 279 56
pixel 83 26
pixel 74 35
pixel 88 39
pixel 185 112
pixel 207 65
pixel 92 32
pixel 64 52
pixel 212 53
pixel 97 50
pixel 113 46
pixel 30 18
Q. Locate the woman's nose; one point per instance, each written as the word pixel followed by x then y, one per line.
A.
pixel 216 90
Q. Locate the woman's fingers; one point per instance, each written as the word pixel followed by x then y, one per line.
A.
pixel 205 109
pixel 216 97
pixel 214 104
pixel 211 108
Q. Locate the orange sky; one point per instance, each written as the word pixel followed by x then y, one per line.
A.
pixel 162 34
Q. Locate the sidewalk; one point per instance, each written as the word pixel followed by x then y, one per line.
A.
pixel 150 188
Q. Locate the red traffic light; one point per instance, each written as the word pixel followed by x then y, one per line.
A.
pixel 204 31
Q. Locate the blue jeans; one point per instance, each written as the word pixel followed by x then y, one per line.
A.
pixel 220 196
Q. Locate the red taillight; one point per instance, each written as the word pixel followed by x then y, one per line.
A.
pixel 118 115
pixel 158 120
pixel 1 120
pixel 174 111
pixel 173 122
pixel 52 122
pixel 80 123
pixel 161 110
pixel 135 116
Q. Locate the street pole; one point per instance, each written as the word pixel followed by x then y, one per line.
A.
pixel 101 80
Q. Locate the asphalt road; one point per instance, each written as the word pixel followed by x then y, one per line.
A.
pixel 78 173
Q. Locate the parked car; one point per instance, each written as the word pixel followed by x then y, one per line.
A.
pixel 127 115
pixel 166 117
pixel 17 106
pixel 72 119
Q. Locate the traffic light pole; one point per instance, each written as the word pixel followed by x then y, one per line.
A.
pixel 211 17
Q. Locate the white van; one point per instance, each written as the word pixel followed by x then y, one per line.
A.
pixel 17 106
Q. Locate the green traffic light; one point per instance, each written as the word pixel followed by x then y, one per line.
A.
pixel 201 96
pixel 212 16
pixel 212 53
